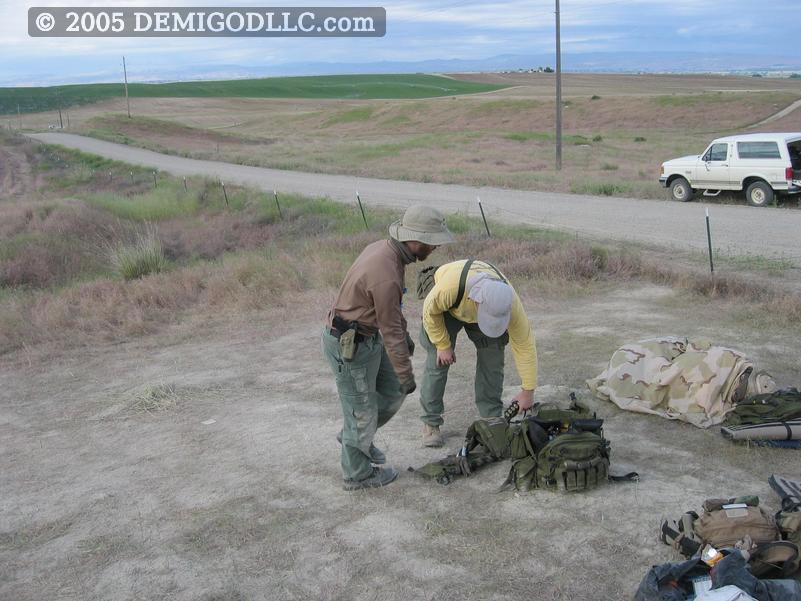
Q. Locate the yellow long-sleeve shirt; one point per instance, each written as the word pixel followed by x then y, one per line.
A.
pixel 442 297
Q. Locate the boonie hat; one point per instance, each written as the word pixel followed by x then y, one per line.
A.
pixel 494 298
pixel 422 224
pixel 760 382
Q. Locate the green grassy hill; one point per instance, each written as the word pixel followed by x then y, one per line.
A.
pixel 31 100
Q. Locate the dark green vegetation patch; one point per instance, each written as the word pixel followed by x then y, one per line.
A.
pixel 32 100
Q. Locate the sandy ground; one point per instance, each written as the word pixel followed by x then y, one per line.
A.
pixel 202 464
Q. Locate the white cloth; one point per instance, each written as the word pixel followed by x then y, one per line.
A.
pixel 725 593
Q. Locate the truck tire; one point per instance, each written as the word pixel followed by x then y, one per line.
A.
pixel 759 194
pixel 680 190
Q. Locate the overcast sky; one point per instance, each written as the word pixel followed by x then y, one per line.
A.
pixel 415 31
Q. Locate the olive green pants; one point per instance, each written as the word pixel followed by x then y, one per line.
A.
pixel 489 372
pixel 370 394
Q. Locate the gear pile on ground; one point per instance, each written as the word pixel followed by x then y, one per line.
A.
pixel 679 378
pixel 738 550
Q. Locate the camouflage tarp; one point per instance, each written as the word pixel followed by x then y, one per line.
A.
pixel 678 378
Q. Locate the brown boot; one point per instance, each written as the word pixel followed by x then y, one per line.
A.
pixel 432 436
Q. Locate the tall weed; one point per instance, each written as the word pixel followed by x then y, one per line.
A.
pixel 142 256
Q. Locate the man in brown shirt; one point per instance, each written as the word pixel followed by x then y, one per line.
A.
pixel 374 382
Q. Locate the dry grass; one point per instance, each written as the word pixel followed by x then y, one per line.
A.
pixel 58 286
pixel 143 257
pixel 153 399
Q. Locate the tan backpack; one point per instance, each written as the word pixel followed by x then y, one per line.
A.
pixel 723 523
pixel 726 522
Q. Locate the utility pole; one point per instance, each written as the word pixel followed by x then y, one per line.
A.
pixel 558 94
pixel 127 101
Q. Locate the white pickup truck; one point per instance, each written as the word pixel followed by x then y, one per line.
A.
pixel 761 164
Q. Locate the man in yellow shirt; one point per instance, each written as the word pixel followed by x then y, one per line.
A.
pixel 476 297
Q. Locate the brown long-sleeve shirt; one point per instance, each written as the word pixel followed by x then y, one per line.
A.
pixel 371 294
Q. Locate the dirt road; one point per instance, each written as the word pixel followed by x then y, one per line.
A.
pixel 736 230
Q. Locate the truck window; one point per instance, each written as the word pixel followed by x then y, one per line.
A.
pixel 758 150
pixel 795 154
pixel 717 152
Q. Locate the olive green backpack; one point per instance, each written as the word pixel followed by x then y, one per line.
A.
pixel 566 448
pixel 557 449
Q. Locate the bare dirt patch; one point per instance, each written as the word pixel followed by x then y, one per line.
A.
pixel 201 463
pixel 16 178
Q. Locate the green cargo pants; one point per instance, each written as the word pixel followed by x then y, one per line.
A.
pixel 369 391
pixel 489 372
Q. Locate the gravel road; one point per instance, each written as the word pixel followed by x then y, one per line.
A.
pixel 736 230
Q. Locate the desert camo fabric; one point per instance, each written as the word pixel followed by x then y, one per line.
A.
pixel 679 378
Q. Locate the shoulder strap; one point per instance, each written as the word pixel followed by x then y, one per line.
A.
pixel 630 477
pixel 496 270
pixel 463 279
pixel 462 284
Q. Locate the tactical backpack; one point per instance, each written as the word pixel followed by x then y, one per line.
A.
pixel 726 522
pixel 425 280
pixel 487 441
pixel 557 449
pixel 566 451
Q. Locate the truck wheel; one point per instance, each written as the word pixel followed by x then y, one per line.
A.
pixel 759 194
pixel 680 190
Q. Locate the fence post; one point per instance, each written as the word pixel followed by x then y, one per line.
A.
pixel 481 208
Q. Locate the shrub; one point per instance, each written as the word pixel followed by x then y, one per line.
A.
pixel 609 167
pixel 595 97
pixel 139 258
pixel 640 139
pixel 597 138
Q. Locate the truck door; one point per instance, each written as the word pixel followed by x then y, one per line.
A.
pixel 712 170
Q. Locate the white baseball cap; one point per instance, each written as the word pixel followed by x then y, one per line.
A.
pixel 494 298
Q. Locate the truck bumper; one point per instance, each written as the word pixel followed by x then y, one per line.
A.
pixel 663 181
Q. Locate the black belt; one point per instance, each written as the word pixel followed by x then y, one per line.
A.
pixel 336 334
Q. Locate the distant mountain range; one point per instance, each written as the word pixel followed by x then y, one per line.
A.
pixel 607 62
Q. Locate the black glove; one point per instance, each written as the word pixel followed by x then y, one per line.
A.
pixel 408 386
pixel 410 344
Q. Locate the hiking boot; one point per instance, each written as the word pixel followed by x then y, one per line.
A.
pixel 432 436
pixel 377 456
pixel 381 476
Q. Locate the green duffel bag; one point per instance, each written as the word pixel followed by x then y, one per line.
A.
pixel 781 405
